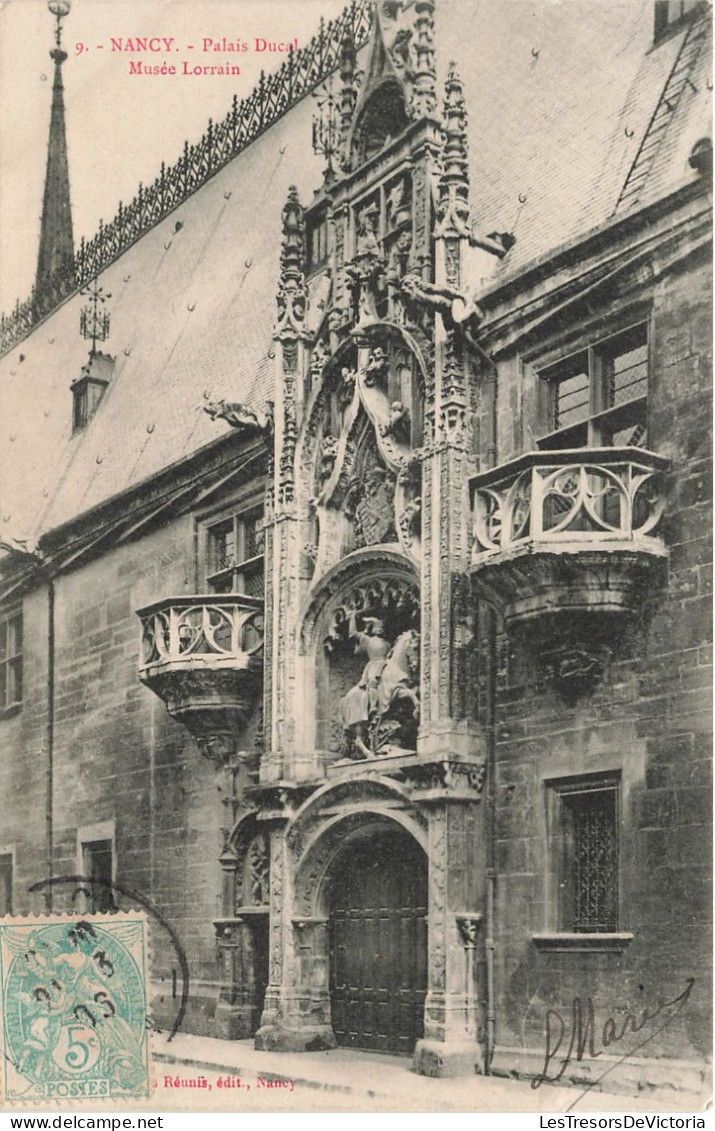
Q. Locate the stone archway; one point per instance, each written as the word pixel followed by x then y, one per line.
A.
pixel 326 843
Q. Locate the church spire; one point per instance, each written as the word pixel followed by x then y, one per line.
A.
pixel 56 243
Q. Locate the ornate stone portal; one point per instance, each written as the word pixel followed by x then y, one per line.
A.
pixel 370 715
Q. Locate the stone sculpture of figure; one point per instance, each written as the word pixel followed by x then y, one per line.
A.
pixel 367 226
pixel 360 703
pixel 383 707
pixel 456 308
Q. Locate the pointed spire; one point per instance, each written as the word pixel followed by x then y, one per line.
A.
pixel 56 242
pixel 453 191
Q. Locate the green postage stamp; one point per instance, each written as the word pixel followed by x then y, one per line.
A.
pixel 73 995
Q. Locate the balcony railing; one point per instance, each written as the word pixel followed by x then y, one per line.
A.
pixel 584 498
pixel 203 656
pixel 214 631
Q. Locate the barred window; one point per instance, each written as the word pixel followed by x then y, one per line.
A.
pixel 10 661
pixel 234 554
pixel 585 849
pixel 597 397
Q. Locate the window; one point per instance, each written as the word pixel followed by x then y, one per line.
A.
pixel 598 396
pixel 97 862
pixel 86 396
pixel 317 241
pixel 671 12
pixel 6 884
pixel 234 554
pixel 10 661
pixel 584 820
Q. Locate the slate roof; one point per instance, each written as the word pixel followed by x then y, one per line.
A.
pixel 560 97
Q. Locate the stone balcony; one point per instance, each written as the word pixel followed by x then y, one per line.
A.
pixel 572 532
pixel 203 656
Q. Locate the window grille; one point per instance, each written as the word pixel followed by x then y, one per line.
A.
pixel 585 844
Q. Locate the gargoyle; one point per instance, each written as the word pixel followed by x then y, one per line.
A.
pixel 457 310
pixel 240 415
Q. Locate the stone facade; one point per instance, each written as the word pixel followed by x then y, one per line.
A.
pixel 482 640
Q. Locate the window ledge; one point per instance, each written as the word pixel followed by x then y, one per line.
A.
pixel 611 941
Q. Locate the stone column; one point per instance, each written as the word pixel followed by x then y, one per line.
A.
pixel 296 1013
pixel 456 876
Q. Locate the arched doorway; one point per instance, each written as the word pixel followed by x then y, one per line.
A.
pixel 378 942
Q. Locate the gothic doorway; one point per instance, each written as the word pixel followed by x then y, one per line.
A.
pixel 378 943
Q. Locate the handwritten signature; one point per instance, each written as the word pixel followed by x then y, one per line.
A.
pixel 583 1031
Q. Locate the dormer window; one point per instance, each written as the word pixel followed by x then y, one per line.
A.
pixel 88 389
pixel 670 13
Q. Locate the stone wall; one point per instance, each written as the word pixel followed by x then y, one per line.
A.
pixel 120 763
pixel 648 718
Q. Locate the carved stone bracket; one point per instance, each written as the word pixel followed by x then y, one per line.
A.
pixel 442 779
pixel 279 801
pixel 468 924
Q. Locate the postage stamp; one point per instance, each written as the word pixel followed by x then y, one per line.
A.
pixel 73 995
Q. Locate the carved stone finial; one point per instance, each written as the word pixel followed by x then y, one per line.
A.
pixel 292 295
pixel 293 249
pixel 424 96
pixel 453 191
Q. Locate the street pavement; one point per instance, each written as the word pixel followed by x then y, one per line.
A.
pixel 207 1074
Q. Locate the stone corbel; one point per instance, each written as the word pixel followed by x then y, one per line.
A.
pixel 468 923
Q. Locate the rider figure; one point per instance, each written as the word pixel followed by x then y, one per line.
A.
pixel 360 703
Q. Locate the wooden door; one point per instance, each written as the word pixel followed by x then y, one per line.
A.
pixel 378 944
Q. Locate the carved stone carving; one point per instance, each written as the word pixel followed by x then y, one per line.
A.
pixel 241 415
pixel 398 424
pixel 258 866
pixel 456 308
pixel 574 667
pixel 382 709
pixel 445 779
pixel 328 455
pixel 370 502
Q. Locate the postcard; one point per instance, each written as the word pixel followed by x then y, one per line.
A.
pixel 355 550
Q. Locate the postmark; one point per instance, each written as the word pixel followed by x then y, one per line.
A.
pixel 73 995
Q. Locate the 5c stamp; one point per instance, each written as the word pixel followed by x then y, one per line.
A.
pixel 73 995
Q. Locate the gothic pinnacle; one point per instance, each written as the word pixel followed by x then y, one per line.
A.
pixel 293 249
pixel 453 194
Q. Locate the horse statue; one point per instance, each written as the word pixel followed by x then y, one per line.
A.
pixel 382 710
